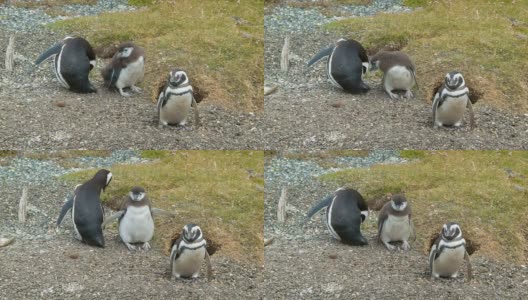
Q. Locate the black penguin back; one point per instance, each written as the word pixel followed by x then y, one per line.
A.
pixel 347 66
pixel 75 64
pixel 346 216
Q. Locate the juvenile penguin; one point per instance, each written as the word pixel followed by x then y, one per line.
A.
pixel 450 102
pixel 448 253
pixel 188 253
pixel 345 211
pixel 86 209
pixel 399 72
pixel 73 58
pixel 175 100
pixel 126 68
pixel 394 222
pixel 346 65
pixel 136 223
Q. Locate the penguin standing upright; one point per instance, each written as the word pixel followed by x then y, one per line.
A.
pixel 175 100
pixel 450 102
pixel 86 209
pixel 136 223
pixel 126 68
pixel 347 63
pixel 188 253
pixel 394 222
pixel 399 72
pixel 345 211
pixel 448 253
pixel 73 58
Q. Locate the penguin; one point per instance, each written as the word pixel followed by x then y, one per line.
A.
pixel 136 223
pixel 73 58
pixel 126 68
pixel 346 65
pixel 450 102
pixel 175 100
pixel 399 72
pixel 448 253
pixel 345 211
pixel 86 209
pixel 188 253
pixel 394 222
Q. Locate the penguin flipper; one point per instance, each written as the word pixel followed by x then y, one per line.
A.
pixel 471 115
pixel 469 268
pixel 436 102
pixel 65 208
pixel 317 207
pixel 432 257
pixel 112 218
pixel 209 272
pixel 196 114
pixel 53 50
pixel 320 55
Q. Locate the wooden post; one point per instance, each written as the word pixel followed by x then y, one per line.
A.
pixel 10 52
pixel 285 55
pixel 281 209
pixel 22 207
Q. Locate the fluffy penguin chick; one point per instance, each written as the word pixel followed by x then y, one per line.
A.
pixel 136 224
pixel 394 222
pixel 188 253
pixel 399 72
pixel 126 68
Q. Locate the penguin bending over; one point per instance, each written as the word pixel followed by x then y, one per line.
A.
pixel 175 99
pixel 450 102
pixel 73 59
pixel 188 253
pixel 136 223
pixel 126 68
pixel 394 222
pixel 346 65
pixel 345 211
pixel 448 253
pixel 399 72
pixel 86 209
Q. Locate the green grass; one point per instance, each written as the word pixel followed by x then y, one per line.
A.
pixel 469 187
pixel 215 189
pixel 221 56
pixel 475 37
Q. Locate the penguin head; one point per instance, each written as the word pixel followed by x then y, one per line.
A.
pixel 451 231
pixel 398 202
pixel 137 193
pixel 125 51
pixel 177 77
pixel 454 80
pixel 102 178
pixel 191 233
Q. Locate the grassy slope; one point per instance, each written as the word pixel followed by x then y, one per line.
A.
pixel 211 188
pixel 475 37
pixel 200 37
pixel 469 187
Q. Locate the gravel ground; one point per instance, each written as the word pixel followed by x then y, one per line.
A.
pixel 325 268
pixel 37 113
pixel 307 112
pixel 45 263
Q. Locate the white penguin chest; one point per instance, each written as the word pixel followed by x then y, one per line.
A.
pixel 132 74
pixel 398 78
pixel 137 225
pixel 452 110
pixel 176 109
pixel 189 262
pixel 396 228
pixel 449 261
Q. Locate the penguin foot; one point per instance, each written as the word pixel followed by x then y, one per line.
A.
pixel 389 246
pixel 393 96
pixel 136 89
pixel 123 93
pixel 454 275
pixel 406 246
pixel 131 247
pixel 194 276
pixel 146 246
pixel 409 94
pixel 458 124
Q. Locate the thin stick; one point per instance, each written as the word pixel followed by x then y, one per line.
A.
pixel 209 273
pixel 268 241
pixel 22 207
pixel 285 64
pixel 281 209
pixel 471 116
pixel 10 52
pixel 270 90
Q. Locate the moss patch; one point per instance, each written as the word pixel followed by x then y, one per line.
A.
pixel 218 43
pixel 473 188
pixel 485 40
pixel 218 190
